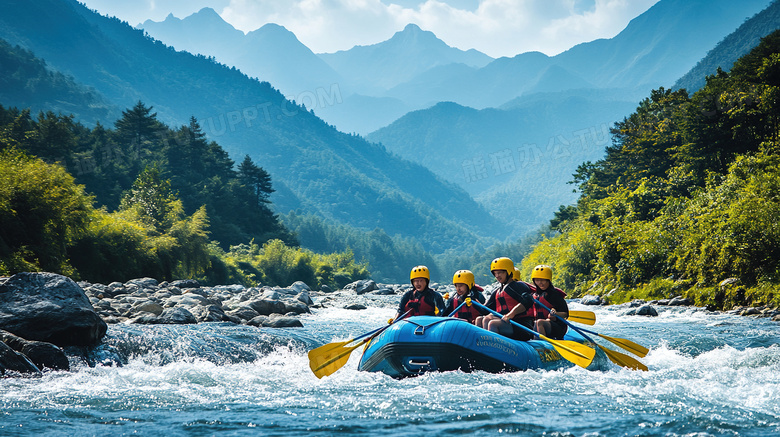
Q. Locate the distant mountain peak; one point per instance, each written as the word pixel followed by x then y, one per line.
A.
pixel 413 33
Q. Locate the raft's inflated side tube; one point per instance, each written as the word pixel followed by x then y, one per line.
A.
pixel 426 344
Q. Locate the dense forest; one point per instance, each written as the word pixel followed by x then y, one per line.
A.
pixel 179 206
pixel 686 200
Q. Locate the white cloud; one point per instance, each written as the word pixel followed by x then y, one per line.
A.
pixel 496 27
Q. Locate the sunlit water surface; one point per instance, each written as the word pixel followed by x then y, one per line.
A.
pixel 710 374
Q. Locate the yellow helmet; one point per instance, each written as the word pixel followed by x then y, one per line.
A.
pixel 420 272
pixel 516 275
pixel 503 263
pixel 464 277
pixel 542 272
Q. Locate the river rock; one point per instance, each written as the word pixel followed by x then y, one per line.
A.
pixel 42 354
pixel 300 286
pixel 176 316
pixel 143 283
pixel 644 310
pixel 362 286
pixel 355 306
pixel 147 306
pixel 275 321
pixel 680 301
pixel 51 308
pixel 304 297
pixel 12 361
pixel 185 283
pixel 325 289
pixel 590 299
pixel 244 313
pixel 266 307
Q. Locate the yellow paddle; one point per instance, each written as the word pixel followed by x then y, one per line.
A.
pixel 584 317
pixel 573 351
pixel 621 359
pixel 634 348
pixel 328 358
pixel 616 357
pixel 326 364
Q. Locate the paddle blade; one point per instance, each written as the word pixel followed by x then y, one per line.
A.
pixel 623 360
pixel 573 351
pixel 634 348
pixel 324 364
pixel 324 349
pixel 584 317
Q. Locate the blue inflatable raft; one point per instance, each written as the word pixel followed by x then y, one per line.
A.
pixel 427 344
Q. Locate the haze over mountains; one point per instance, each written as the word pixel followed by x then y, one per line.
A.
pixel 371 86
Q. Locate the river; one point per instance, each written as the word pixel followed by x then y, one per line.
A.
pixel 710 374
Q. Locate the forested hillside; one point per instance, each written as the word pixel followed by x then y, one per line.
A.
pixel 26 81
pixel 734 46
pixel 180 208
pixel 687 196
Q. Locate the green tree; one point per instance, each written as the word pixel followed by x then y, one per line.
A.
pixel 42 213
pixel 252 175
pixel 152 200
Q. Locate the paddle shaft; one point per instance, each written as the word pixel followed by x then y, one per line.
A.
pixel 497 314
pixel 456 309
pixel 564 320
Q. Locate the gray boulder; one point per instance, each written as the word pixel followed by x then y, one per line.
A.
pixel 12 361
pixel 590 299
pixel 42 354
pixel 680 301
pixel 176 316
pixel 275 321
pixel 143 282
pixel 644 310
pixel 51 308
pixel 266 307
pixel 244 313
pixel 364 286
pixel 300 286
pixel 185 283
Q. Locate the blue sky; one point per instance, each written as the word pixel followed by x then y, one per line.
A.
pixel 496 27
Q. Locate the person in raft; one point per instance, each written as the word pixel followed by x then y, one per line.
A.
pixel 420 299
pixel 464 288
pixel 549 323
pixel 512 299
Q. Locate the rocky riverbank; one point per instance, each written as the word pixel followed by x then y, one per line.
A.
pixel 46 312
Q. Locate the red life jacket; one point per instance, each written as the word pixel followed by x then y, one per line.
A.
pixel 505 303
pixel 466 312
pixel 541 313
pixel 419 306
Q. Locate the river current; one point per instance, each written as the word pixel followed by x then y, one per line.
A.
pixel 709 374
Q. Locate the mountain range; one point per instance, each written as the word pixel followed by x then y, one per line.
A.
pixel 314 167
pixel 376 84
pixel 528 147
